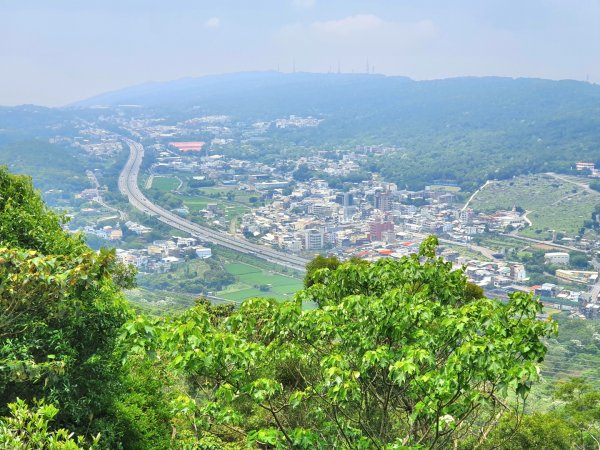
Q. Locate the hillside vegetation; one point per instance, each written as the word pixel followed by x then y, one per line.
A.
pixel 462 129
pixel 552 203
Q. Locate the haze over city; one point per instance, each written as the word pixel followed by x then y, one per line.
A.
pixel 62 51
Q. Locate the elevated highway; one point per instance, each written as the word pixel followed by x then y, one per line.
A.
pixel 128 186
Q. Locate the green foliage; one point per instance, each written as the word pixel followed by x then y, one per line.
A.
pixel 166 199
pixel 573 423
pixel 143 410
pixel 317 263
pixel 200 183
pixel 538 431
pixel 25 221
pixel 473 292
pixel 61 314
pixel 347 181
pixel 396 357
pixel 28 429
pixel 574 352
pixel 52 166
pixel 303 173
pixel 578 260
pixel 195 276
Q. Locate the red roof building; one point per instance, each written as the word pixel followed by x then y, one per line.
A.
pixel 188 146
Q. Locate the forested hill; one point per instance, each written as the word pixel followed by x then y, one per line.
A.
pixel 471 102
pixel 463 129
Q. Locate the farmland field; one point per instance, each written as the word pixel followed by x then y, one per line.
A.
pixel 249 278
pixel 240 269
pixel 195 203
pixel 165 183
pixel 230 209
pixel 553 204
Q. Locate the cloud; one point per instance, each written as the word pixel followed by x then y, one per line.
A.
pixel 350 24
pixel 392 46
pixel 213 22
pixel 361 28
pixel 304 3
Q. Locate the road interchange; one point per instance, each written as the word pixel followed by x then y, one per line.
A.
pixel 128 186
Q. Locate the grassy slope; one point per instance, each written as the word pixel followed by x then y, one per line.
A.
pixel 553 204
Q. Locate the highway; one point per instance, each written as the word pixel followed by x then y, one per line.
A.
pixel 514 235
pixel 128 186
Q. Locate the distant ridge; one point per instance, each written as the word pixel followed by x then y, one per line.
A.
pixel 190 90
pixel 270 94
pixel 467 130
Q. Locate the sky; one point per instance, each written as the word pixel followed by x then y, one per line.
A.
pixel 56 52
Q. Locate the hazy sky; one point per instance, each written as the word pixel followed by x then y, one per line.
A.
pixel 53 52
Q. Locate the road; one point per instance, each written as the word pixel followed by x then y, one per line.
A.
pixel 474 194
pixel 584 186
pixel 537 241
pixel 92 177
pixel 128 186
pixel 486 252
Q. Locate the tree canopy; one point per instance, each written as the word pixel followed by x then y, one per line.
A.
pixel 61 312
pixel 398 354
pixel 395 357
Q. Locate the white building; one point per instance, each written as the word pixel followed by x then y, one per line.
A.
pixel 466 216
pixel 294 245
pixel 556 258
pixel 185 241
pixel 203 252
pixel 518 273
pixel 314 239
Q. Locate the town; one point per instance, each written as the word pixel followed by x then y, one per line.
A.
pixel 321 202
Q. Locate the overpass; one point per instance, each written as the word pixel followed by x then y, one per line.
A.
pixel 128 186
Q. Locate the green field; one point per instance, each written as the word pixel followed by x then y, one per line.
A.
pixel 254 262
pixel 240 269
pixel 250 277
pixel 553 204
pixel 195 203
pixel 501 243
pixel 218 194
pixel 165 184
pixel 462 251
pixel 230 210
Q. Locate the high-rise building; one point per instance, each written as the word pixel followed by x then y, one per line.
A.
pixel 314 239
pixel 466 216
pixel 377 230
pixel 383 201
pixel 344 198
